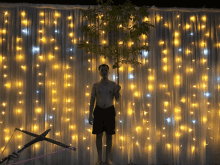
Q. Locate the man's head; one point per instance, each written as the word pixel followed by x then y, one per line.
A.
pixel 104 71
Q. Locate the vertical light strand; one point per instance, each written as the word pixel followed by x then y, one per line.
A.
pixel 127 111
pixel 21 82
pixel 38 113
pixel 122 70
pixel 13 72
pixel 41 73
pixel 158 112
pixel 193 61
pixel 7 83
pixel 65 67
pixel 189 77
pixel 163 71
pixel 59 73
pixel 2 76
pixel 175 86
pixel 74 135
pixel 206 52
pixel 151 71
pixel 131 104
pixel 68 76
pixel 182 29
pixel 146 104
pixel 8 79
pixel 40 84
pixel 212 72
pixel 167 83
pixel 182 92
pixel 172 17
pixel 215 113
pixel 179 78
pixel 54 76
pixel 192 78
pixel 177 82
pixel 78 76
pixel 216 139
pixel 142 93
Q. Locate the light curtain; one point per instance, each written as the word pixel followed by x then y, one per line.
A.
pixel 169 109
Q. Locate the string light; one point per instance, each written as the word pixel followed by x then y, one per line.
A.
pixel 150 87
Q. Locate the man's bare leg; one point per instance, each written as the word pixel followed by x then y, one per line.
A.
pixel 99 146
pixel 108 148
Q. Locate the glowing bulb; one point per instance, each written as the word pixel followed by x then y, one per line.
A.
pixel 165 51
pixel 165 59
pixel 162 42
pixel 35 127
pixel 43 39
pixel 25 22
pixel 71 34
pixel 166 103
pixel 192 18
pixel 176 42
pixel 165 68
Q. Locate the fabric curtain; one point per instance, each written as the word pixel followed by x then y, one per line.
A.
pixel 169 106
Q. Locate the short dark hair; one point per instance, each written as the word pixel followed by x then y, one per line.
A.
pixel 103 65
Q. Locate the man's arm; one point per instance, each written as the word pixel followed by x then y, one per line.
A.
pixel 92 100
pixel 117 96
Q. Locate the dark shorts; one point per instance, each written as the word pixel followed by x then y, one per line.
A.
pixel 104 120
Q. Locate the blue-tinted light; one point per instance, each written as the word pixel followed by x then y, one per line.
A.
pixel 130 76
pixel 145 53
pixel 25 31
pixel 205 51
pixel 35 49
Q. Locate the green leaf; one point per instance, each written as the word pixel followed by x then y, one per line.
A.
pixel 111 15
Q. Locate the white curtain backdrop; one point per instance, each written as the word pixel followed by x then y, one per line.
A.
pixel 169 108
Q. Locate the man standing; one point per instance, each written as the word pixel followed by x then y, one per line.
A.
pixel 104 113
